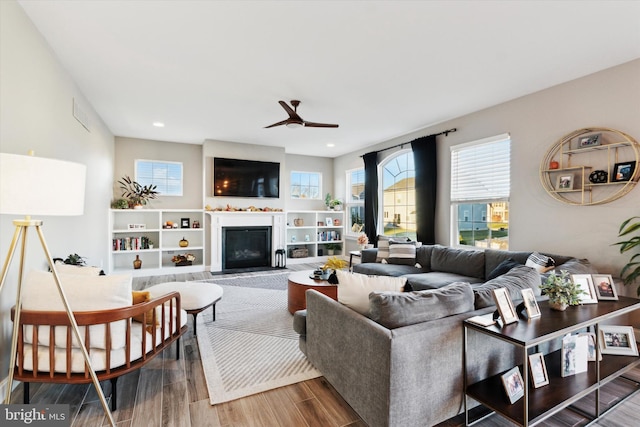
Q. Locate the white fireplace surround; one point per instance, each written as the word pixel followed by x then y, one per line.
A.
pixel 275 220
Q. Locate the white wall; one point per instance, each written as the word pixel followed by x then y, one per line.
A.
pixel 36 113
pixel 537 221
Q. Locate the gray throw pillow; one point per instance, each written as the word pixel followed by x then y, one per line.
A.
pixel 503 268
pixel 397 309
pixel 518 278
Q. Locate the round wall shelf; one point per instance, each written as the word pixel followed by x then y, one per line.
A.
pixel 591 166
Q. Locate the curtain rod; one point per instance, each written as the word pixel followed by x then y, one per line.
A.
pixel 445 133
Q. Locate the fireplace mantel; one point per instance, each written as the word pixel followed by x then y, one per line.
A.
pixel 276 220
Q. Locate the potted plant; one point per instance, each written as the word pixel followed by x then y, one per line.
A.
pixel 138 195
pixel 329 269
pixel 332 248
pixel 120 204
pixel 631 270
pixel 74 259
pixel 331 203
pixel 562 292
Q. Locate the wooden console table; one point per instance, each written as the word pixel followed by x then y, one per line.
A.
pixel 300 282
pixel 540 403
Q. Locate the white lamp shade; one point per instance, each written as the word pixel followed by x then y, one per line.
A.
pixel 32 185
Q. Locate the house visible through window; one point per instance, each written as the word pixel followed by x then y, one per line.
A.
pixel 167 176
pixel 354 204
pixel 306 185
pixel 480 190
pixel 398 195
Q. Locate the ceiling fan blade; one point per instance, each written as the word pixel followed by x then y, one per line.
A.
pixel 319 125
pixel 284 122
pixel 290 111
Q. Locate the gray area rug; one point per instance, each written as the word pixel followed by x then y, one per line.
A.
pixel 276 280
pixel 251 347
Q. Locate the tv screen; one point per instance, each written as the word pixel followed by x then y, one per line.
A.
pixel 245 178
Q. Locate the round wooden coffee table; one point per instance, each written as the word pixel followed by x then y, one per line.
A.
pixel 300 282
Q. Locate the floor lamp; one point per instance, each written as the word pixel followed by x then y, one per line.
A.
pixel 32 185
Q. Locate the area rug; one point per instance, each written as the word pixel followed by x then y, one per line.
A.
pixel 251 347
pixel 266 280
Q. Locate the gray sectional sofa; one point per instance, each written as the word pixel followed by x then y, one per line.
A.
pixel 402 365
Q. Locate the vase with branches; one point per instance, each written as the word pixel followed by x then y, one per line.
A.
pixel 137 194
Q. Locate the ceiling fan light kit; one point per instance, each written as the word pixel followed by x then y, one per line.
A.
pixel 295 121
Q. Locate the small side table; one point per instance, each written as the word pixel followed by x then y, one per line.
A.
pixel 299 282
pixel 352 254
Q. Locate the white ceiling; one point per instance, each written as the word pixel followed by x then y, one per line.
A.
pixel 381 69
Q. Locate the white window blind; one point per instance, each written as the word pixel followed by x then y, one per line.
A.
pixel 481 170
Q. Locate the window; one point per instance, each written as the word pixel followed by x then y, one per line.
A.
pixel 167 176
pixel 355 201
pixel 480 189
pixel 398 195
pixel 306 185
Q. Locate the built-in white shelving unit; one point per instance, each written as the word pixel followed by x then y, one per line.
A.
pixel 311 231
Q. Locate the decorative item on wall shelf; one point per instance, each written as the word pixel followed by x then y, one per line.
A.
pixel 554 164
pixel 138 195
pixel 298 222
pixel 185 223
pixel 562 292
pixel 137 263
pixel 183 260
pixel 195 224
pixel 589 140
pixel 183 243
pixel 598 177
pixel 623 171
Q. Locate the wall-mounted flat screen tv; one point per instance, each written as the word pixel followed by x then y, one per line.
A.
pixel 245 178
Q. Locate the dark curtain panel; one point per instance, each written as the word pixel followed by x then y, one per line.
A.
pixel 371 195
pixel 425 160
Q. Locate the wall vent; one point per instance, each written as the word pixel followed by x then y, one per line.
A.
pixel 80 115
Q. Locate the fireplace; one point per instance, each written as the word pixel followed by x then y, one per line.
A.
pixel 244 247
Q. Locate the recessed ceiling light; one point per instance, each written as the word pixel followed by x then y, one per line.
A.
pixel 158 124
pixel 331 145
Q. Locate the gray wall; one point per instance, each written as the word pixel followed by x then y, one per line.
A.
pixel 36 113
pixel 536 121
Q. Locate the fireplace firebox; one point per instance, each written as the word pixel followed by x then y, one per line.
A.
pixel 244 247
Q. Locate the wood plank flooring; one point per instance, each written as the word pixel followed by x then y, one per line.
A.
pixel 170 392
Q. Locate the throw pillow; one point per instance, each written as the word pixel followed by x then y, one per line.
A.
pixel 383 246
pixel 541 263
pixel 503 268
pixel 394 310
pixel 402 253
pixel 354 288
pixel 140 297
pixel 516 279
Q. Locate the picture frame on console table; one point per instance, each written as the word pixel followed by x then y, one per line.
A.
pixel 585 283
pixel 530 303
pixel 505 306
pixel 513 384
pixel 604 287
pixel 618 340
pixel 538 370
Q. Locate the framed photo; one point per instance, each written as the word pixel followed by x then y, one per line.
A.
pixel 530 303
pixel 604 286
pixel 589 140
pixel 584 282
pixel 538 370
pixel 618 340
pixel 623 171
pixel 328 222
pixel 320 224
pixel 505 306
pixel 591 355
pixel 564 182
pixel 294 239
pixel 185 223
pixel 513 384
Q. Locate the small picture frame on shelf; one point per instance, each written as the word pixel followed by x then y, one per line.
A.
pixel 328 222
pixel 585 283
pixel 294 239
pixel 530 303
pixel 618 340
pixel 592 140
pixel 513 384
pixel 185 223
pixel 505 306
pixel 623 171
pixel 320 224
pixel 538 370
pixel 564 182
pixel 591 347
pixel 604 287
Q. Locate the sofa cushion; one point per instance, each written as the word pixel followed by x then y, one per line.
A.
pixel 493 257
pixel 383 246
pixel 518 278
pixel 576 266
pixel 436 280
pixel 503 268
pixel 403 253
pixel 540 262
pixel 397 309
pixel 459 261
pixel 354 288
pixel 379 269
pixel 423 257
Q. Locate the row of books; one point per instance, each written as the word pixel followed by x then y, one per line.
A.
pixel 328 236
pixel 130 243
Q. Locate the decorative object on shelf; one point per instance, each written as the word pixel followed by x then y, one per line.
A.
pixel 623 171
pixel 120 204
pixel 183 243
pixel 332 248
pixel 538 369
pixel 630 271
pixel 137 263
pixel 298 222
pixel 185 223
pixel 553 164
pixel 562 292
pixel 229 208
pixel 307 238
pixel 195 224
pixel 298 253
pixel 328 222
pixel 363 241
pixel 138 195
pixel 331 203
pixel 618 340
pixel 183 260
pixel 575 354
pixel 150 244
pixel 564 182
pixel 604 287
pixel 513 384
pixel 505 306
pixel 530 303
pixel 598 177
pixel 585 282
pixel 589 140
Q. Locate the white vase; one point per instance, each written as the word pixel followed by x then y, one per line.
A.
pixel 558 306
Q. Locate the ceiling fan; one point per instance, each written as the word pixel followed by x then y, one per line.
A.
pixel 295 121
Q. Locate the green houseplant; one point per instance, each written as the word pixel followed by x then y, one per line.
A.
pixel 631 270
pixel 562 292
pixel 332 203
pixel 137 194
